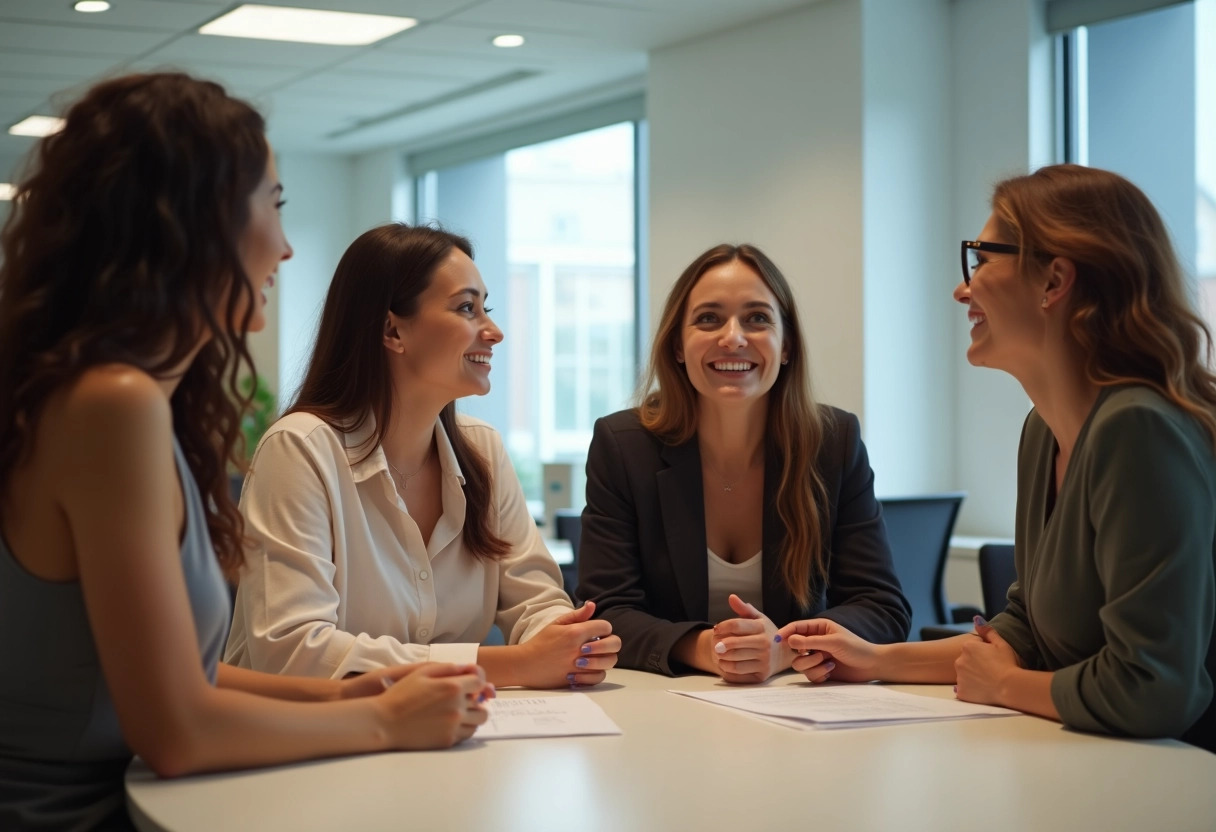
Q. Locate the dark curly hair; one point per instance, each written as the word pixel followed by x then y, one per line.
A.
pixel 122 243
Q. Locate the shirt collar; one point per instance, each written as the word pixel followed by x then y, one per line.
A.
pixel 377 463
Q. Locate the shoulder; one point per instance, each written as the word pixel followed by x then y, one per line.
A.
pixel 112 399
pixel 1144 418
pixel 625 425
pixel 481 434
pixel 841 431
pixel 306 432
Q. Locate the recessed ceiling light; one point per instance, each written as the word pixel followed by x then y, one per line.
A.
pixel 306 25
pixel 91 6
pixel 7 191
pixel 508 41
pixel 37 126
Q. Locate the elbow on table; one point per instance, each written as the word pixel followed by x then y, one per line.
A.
pixel 1159 711
pixel 171 752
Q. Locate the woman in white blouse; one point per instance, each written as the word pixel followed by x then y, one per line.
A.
pixel 387 528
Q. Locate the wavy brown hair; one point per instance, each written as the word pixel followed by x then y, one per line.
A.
pixel 348 380
pixel 1130 310
pixel 121 245
pixel 795 428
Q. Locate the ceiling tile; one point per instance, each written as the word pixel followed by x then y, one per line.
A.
pixel 383 87
pixel 156 15
pixel 83 40
pixel 191 49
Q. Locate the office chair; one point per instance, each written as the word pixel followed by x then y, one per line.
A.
pixel 919 529
pixel 997 572
pixel 568 525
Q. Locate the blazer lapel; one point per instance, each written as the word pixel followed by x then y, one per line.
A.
pixel 779 605
pixel 682 505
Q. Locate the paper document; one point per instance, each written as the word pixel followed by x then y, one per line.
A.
pixel 569 715
pixel 843 706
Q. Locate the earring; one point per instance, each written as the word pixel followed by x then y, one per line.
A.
pixel 1044 303
pixel 785 361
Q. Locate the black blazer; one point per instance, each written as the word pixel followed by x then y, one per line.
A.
pixel 642 556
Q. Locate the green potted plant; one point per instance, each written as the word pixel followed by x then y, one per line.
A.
pixel 255 421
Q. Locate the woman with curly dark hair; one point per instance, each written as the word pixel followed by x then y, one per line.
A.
pixel 134 263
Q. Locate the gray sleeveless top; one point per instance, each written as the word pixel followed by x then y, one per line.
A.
pixel 62 756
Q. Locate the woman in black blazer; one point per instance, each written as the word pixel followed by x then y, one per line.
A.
pixel 729 503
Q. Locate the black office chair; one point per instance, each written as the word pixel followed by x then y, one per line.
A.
pixel 997 572
pixel 919 529
pixel 568 525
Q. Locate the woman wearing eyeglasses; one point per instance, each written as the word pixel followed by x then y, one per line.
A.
pixel 730 503
pixel 1074 289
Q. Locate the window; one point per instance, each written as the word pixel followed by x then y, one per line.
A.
pixel 553 228
pixel 1139 98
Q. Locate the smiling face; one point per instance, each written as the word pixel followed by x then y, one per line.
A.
pixel 263 245
pixel 445 347
pixel 732 343
pixel 1004 308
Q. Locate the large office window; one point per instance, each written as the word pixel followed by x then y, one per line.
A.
pixel 1139 98
pixel 553 226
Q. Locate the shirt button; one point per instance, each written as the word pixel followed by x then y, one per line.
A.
pixel 424 633
pixel 424 574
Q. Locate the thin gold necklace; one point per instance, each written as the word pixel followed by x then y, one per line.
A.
pixel 403 482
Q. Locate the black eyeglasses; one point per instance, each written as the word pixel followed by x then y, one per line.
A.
pixel 971 255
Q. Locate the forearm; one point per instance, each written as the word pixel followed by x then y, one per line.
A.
pixel 505 666
pixel 297 688
pixel 1029 691
pixel 694 649
pixel 929 662
pixel 232 729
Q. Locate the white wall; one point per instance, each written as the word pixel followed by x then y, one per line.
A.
pixel 907 237
pixel 317 221
pixel 1002 123
pixel 756 136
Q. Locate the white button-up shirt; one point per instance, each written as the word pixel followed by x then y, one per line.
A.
pixel 340 580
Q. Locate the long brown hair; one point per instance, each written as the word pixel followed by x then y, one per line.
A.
pixel 348 379
pixel 795 425
pixel 120 246
pixel 1130 309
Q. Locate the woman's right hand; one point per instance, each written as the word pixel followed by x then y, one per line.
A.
pixel 825 649
pixel 434 705
pixel 574 650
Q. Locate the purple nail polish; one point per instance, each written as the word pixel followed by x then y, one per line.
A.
pixel 586 648
pixel 581 663
pixel 570 678
pixel 777 638
pixel 979 621
pixel 481 697
pixel 829 666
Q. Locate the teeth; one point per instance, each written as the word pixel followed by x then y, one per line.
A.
pixel 478 359
pixel 977 319
pixel 732 366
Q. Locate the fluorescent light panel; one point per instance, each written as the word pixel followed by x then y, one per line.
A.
pixel 306 25
pixel 92 6
pixel 37 126
pixel 7 191
pixel 508 41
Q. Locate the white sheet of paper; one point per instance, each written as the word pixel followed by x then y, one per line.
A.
pixel 842 706
pixel 569 715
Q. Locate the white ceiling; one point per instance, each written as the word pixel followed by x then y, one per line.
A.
pixel 405 90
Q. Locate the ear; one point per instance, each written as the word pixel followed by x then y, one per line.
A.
pixel 1061 274
pixel 679 351
pixel 392 334
pixel 785 352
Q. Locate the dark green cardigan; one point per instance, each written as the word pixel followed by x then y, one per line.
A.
pixel 1116 587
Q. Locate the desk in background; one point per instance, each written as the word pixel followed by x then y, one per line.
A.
pixel 688 765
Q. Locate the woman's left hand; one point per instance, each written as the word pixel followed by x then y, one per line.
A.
pixel 744 649
pixel 375 682
pixel 984 667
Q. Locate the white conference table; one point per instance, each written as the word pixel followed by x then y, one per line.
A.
pixel 682 764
